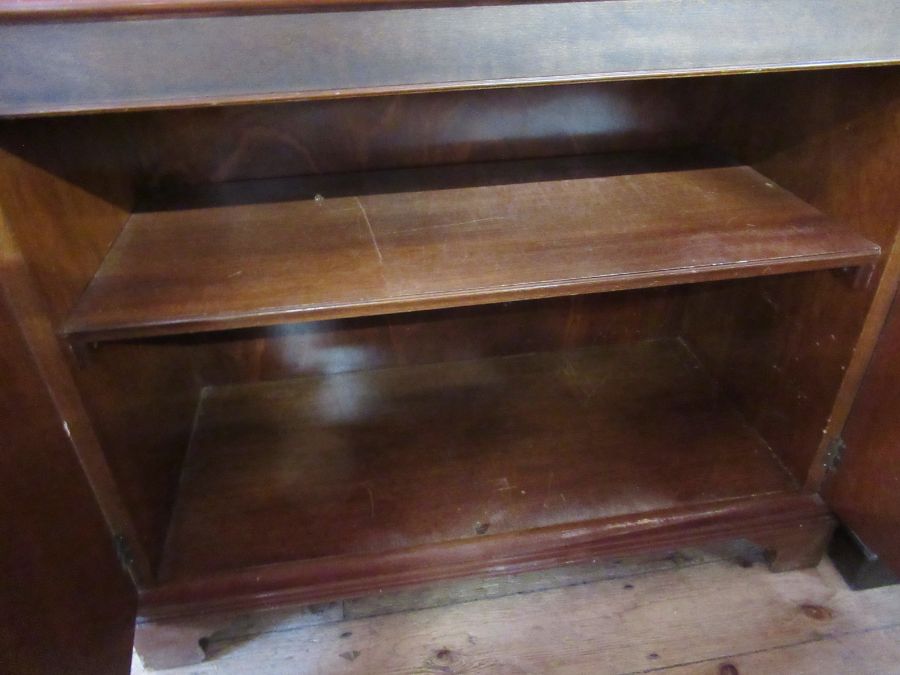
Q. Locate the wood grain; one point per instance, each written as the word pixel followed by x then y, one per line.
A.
pixel 166 644
pixel 229 143
pixel 793 357
pixel 57 66
pixel 67 185
pixel 267 252
pixel 37 10
pixel 864 490
pixel 768 519
pixel 67 605
pixel 370 461
pixel 140 400
pixel 39 278
pixel 803 622
pixel 66 189
pixel 458 334
pixel 475 589
pixel 873 652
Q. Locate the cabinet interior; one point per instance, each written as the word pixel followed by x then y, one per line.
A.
pixel 309 330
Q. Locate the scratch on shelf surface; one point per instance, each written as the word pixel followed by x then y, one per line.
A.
pixel 371 230
pixel 455 224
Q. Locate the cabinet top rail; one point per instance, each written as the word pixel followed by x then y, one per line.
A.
pixel 100 63
pixel 56 9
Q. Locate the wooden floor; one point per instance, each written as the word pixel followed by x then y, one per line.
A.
pixel 718 612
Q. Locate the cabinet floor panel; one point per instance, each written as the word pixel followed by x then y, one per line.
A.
pixel 268 251
pixel 384 460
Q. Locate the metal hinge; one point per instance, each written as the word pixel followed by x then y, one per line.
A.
pixel 123 551
pixel 834 454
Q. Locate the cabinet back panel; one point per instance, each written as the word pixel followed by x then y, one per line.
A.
pixel 264 141
pixel 327 347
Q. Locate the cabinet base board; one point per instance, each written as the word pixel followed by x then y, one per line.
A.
pixel 175 619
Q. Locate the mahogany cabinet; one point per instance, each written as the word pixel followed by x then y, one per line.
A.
pixel 304 300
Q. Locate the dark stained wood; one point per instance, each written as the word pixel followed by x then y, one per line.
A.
pixel 140 399
pixel 66 604
pixel 266 252
pixel 781 524
pixel 797 546
pixel 864 490
pixel 50 67
pixel 481 436
pixel 166 636
pixel 34 10
pixel 371 461
pixel 792 358
pixel 212 145
pixel 861 145
pixel 31 303
pixel 161 639
pixel 66 188
pixel 61 9
pixel 771 520
pixel 463 333
pixel 777 356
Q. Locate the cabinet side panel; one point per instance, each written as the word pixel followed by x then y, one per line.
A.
pixel 66 190
pixel 141 399
pixel 790 348
pixel 66 603
pixel 865 491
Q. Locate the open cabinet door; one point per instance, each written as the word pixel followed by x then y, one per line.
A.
pixel 66 605
pixel 865 490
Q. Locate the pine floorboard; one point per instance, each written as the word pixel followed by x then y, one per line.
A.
pixel 689 613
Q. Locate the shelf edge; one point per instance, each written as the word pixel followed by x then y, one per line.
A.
pixel 81 330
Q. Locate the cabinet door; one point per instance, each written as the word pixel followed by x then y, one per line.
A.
pixel 66 606
pixel 865 492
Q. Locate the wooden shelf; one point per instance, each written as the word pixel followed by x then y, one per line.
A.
pixel 265 252
pixel 347 466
